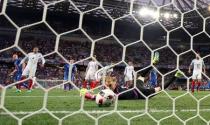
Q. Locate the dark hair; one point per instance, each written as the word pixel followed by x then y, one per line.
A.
pixel 17 53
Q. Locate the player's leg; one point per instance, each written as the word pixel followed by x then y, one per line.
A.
pixel 204 85
pixel 155 60
pixel 32 78
pixel 178 74
pixel 65 78
pixel 87 78
pixel 152 83
pixel 65 86
pixel 18 78
pixel 93 83
pixel 193 85
pixel 30 84
pixel 199 79
pixel 22 78
pixel 194 80
pixel 128 82
pixel 198 85
pixel 98 76
pixel 18 85
pixel 73 80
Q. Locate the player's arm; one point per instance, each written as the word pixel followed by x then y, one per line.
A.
pixel 15 70
pixel 24 60
pixel 75 69
pixel 190 67
pixel 97 64
pixel 87 68
pixel 133 72
pixel 43 60
pixel 125 71
pixel 59 67
pixel 204 67
pixel 23 66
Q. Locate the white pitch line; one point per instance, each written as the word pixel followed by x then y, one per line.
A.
pixel 41 96
pixel 105 111
pixel 65 96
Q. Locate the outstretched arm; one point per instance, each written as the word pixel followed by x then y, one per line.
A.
pixel 125 71
pixel 43 60
pixel 15 70
pixel 87 68
pixel 59 67
pixel 190 67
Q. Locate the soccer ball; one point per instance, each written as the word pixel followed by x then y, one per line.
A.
pixel 105 97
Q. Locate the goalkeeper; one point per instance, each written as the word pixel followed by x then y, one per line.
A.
pixel 111 82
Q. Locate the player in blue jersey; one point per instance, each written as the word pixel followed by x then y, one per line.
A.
pixel 69 75
pixel 17 72
pixel 153 78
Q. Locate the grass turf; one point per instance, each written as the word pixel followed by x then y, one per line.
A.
pixel 67 104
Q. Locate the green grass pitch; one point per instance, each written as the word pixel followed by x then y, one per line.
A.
pixel 67 106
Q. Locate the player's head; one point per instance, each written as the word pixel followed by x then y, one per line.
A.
pixel 198 55
pixel 112 63
pixel 130 63
pixel 14 56
pixel 111 82
pixel 94 59
pixel 71 61
pixel 35 49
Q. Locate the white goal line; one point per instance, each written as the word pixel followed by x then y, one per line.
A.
pixel 67 96
pixel 75 96
pixel 105 111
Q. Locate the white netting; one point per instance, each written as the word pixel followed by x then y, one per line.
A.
pixel 130 14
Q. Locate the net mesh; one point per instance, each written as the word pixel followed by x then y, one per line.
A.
pixel 176 58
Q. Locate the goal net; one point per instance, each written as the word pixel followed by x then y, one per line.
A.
pixel 114 33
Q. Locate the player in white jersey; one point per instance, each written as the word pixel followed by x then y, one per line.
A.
pixel 198 66
pixel 129 74
pixel 90 73
pixel 31 67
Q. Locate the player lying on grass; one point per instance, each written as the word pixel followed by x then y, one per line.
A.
pixel 111 83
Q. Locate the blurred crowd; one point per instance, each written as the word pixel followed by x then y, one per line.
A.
pixel 78 50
